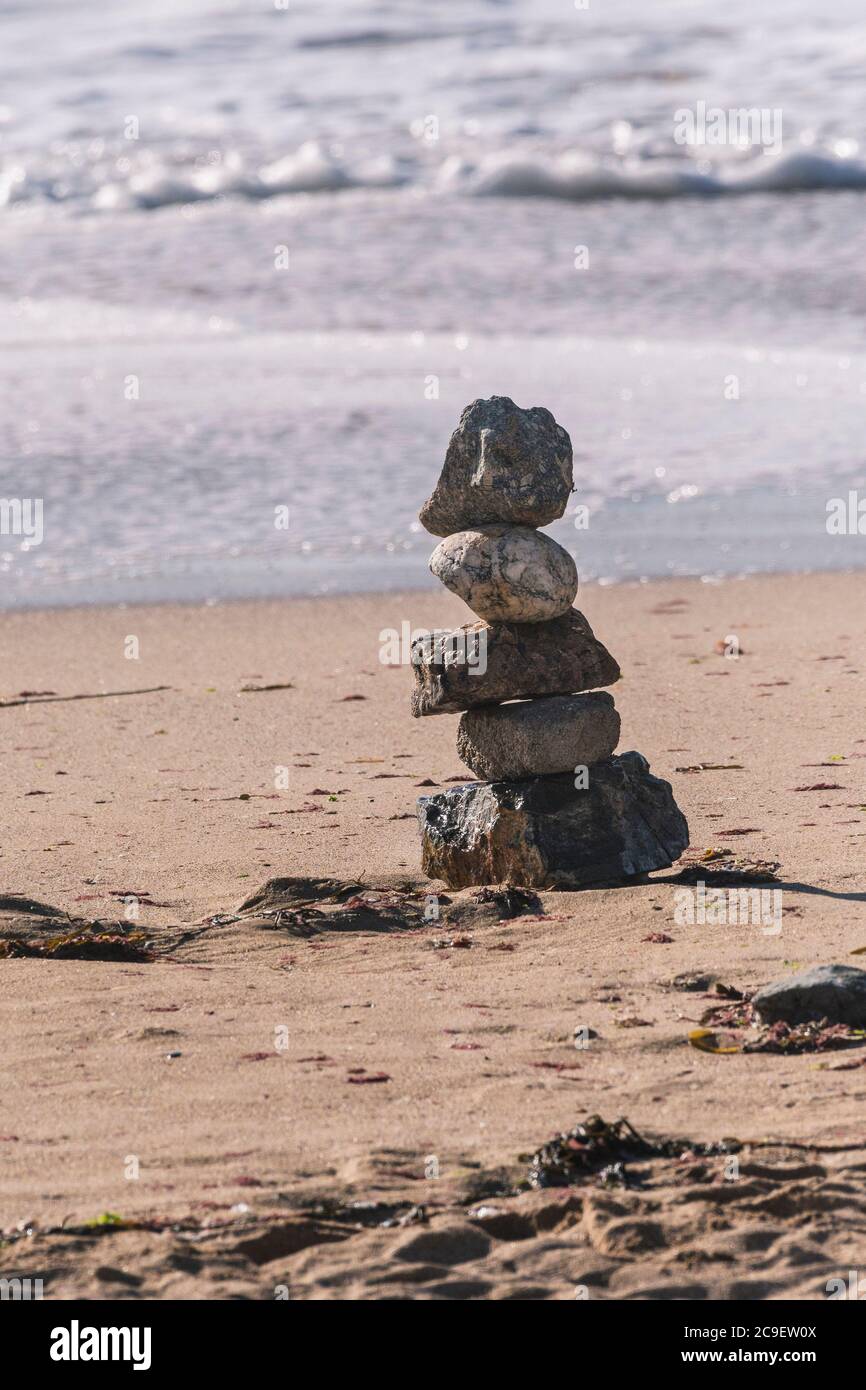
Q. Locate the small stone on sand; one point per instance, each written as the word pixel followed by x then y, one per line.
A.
pixel 834 992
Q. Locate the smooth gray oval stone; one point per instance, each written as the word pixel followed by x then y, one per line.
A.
pixel 536 737
pixel 507 573
pixel 503 464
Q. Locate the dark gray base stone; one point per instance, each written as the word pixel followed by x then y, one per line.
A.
pixel 834 992
pixel 544 833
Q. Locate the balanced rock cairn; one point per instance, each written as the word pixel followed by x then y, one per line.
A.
pixel 555 807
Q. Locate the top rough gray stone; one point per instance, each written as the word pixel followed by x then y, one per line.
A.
pixel 503 465
pixel 834 992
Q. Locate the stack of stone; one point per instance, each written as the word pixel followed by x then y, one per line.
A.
pixel 555 807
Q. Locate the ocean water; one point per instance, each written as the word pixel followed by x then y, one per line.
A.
pixel 257 257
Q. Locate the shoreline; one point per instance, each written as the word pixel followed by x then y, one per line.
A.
pixel 420 591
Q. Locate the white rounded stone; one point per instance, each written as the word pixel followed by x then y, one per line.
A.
pixel 507 573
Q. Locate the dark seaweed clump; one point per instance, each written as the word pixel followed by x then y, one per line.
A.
pixel 600 1149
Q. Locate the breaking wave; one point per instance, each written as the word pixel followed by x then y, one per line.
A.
pixel 153 181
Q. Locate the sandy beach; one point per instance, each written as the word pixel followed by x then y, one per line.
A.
pixel 571 296
pixel 201 1105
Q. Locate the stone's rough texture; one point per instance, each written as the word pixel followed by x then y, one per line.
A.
pixel 537 737
pixel 507 573
pixel 834 992
pixel 504 465
pixel 542 833
pixel 519 660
